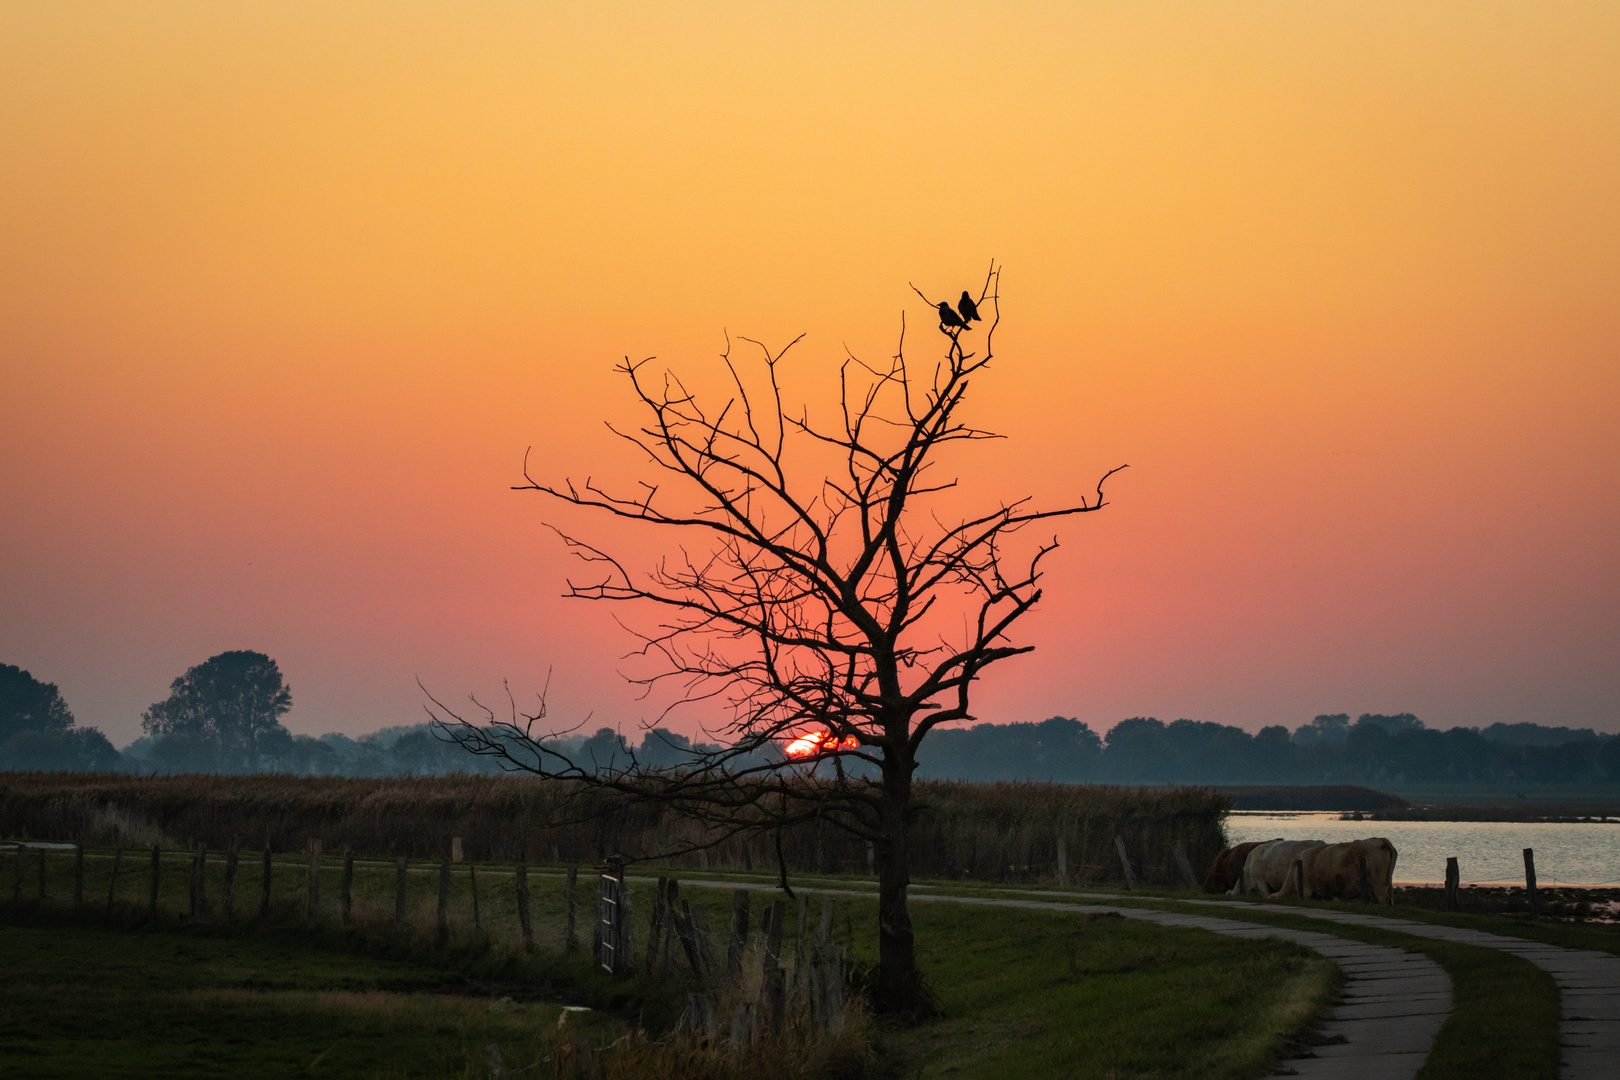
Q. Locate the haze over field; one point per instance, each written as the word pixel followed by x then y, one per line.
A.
pixel 286 291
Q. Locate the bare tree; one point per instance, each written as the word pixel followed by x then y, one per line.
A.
pixel 832 599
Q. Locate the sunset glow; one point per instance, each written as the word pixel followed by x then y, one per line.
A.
pixel 823 742
pixel 288 290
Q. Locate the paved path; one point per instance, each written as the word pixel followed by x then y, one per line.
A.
pixel 1391 1006
pixel 1588 984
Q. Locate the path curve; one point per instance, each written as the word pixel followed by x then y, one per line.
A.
pixel 1390 1008
pixel 1588 984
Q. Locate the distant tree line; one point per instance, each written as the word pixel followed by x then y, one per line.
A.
pixel 1374 750
pixel 224 716
pixel 37 729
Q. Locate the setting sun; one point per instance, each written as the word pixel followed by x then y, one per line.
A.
pixel 819 742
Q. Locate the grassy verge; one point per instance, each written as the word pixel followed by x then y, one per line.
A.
pixel 1039 994
pixel 1599 937
pixel 1504 1015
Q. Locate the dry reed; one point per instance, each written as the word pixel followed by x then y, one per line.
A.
pixel 983 832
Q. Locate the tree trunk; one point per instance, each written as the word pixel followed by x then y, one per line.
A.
pixel 900 990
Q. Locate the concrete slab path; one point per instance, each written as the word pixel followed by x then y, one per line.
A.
pixel 1588 984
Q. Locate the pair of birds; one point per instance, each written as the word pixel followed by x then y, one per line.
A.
pixel 950 320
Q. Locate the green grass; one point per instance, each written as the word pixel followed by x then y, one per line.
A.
pixel 1039 994
pixel 1504 1009
pixel 82 1000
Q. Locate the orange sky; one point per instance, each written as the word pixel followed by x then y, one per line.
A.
pixel 286 290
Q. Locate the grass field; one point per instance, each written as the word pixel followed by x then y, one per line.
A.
pixel 1023 994
pixel 81 1001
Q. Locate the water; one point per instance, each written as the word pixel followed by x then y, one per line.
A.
pixel 1487 852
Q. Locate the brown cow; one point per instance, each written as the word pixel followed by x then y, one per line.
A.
pixel 1356 870
pixel 1227 867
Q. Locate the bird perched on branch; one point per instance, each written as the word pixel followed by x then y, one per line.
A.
pixel 948 318
pixel 969 310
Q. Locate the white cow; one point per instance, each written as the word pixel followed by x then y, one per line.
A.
pixel 1268 866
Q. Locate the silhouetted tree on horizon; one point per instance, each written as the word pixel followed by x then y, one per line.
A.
pixel 820 589
pixel 38 731
pixel 222 715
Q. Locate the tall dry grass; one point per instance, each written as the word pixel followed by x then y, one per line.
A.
pixel 984 832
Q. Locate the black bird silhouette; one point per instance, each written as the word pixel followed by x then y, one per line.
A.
pixel 949 318
pixel 969 310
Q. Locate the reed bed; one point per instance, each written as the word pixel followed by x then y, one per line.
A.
pixel 1005 832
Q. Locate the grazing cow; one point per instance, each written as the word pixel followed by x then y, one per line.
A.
pixel 1268 866
pixel 1335 872
pixel 1227 867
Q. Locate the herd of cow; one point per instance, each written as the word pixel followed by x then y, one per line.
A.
pixel 1312 869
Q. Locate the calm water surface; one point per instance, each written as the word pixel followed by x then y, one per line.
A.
pixel 1486 851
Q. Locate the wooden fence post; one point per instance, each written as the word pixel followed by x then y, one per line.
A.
pixel 202 879
pixel 264 884
pixel 705 1023
pixel 1063 860
pixel 827 977
pixel 1125 863
pixel 455 849
pixel 348 883
pixel 832 991
pixel 739 932
pixel 571 942
pixel 314 879
pixel 672 904
pixel 871 859
pixel 773 998
pixel 1530 878
pixel 799 969
pixel 472 876
pixel 1453 879
pixel 742 1028
pixel 689 925
pixel 112 882
pixel 17 872
pixel 232 861
pixel 1299 877
pixel 443 931
pixel 152 897
pixel 525 923
pixel 625 948
pixel 609 939
pixel 1188 878
pixel 42 872
pixel 817 982
pixel 774 917
pixel 400 871
pixel 78 875
pixel 656 928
